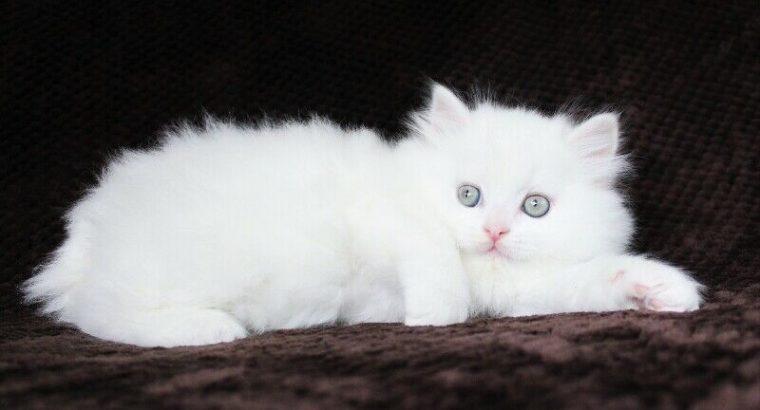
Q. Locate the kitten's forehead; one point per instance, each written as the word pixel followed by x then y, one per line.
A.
pixel 511 146
pixel 520 125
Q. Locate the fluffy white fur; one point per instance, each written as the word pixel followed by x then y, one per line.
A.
pixel 227 229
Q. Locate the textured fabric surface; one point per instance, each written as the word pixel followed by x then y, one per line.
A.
pixel 81 80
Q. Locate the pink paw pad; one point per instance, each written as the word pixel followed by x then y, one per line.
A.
pixel 644 298
pixel 655 304
pixel 640 291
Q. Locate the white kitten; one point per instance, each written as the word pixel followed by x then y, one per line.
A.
pixel 489 210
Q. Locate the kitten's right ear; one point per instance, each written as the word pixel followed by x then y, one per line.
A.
pixel 446 109
pixel 597 138
pixel 596 141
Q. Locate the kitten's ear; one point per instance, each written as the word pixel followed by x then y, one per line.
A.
pixel 597 138
pixel 446 109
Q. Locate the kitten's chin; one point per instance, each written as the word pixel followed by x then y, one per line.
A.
pixel 481 263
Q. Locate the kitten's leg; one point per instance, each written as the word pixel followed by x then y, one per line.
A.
pixel 167 327
pixel 610 283
pixel 436 291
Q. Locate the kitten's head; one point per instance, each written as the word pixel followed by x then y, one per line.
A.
pixel 518 186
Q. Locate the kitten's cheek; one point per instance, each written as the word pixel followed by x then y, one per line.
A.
pixel 473 247
pixel 514 253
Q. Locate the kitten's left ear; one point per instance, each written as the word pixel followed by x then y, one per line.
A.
pixel 446 109
pixel 597 138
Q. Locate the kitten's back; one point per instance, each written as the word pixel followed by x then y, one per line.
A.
pixel 200 200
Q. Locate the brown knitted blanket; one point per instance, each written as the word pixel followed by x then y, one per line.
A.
pixel 80 80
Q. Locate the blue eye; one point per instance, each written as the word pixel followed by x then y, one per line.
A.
pixel 468 195
pixel 536 205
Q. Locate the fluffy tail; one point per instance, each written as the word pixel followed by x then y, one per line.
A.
pixel 53 281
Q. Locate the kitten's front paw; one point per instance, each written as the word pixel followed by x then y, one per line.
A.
pixel 655 286
pixel 188 327
pixel 217 332
pixel 445 315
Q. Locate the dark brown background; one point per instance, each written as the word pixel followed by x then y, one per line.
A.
pixel 80 80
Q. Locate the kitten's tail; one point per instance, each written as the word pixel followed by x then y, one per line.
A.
pixel 54 280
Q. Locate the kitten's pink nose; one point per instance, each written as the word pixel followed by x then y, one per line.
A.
pixel 496 232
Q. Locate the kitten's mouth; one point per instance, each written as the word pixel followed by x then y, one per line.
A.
pixel 496 252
